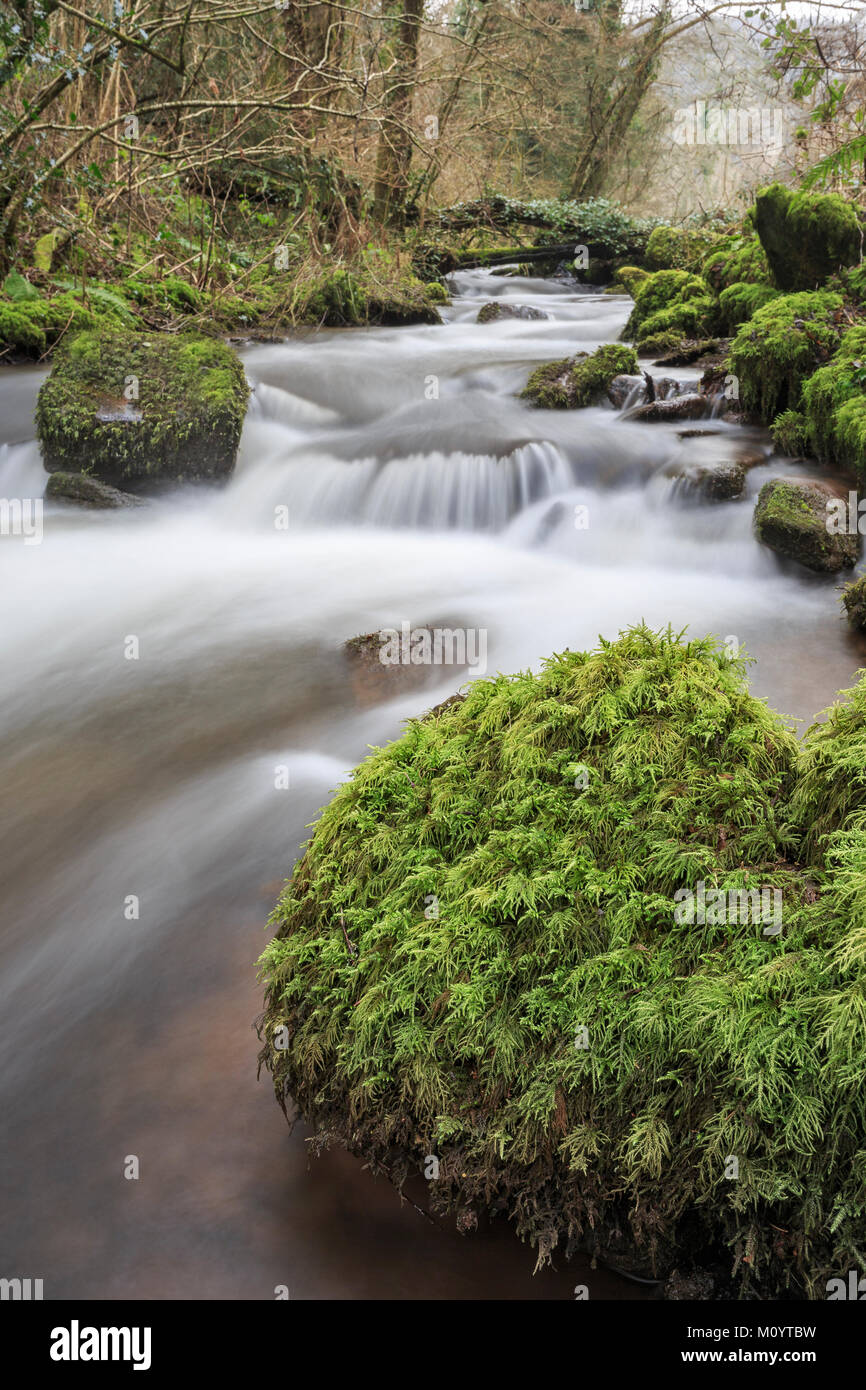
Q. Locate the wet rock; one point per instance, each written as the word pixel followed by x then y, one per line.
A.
pixel 387 663
pixel 489 313
pixel 689 407
pixel 716 480
pixel 791 517
pixel 86 491
pixel 624 386
pixel 142 410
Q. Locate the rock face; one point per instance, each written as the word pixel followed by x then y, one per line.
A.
pixel 490 313
pixel 85 491
pixel 791 518
pixel 142 410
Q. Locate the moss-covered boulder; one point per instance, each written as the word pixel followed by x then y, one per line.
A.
pixel 791 517
pixel 739 302
pixel 664 290
pixel 494 312
pixel 780 346
pixel 834 403
pixel 679 248
pixel 806 236
pixel 523 954
pixel 581 380
pixel 739 260
pixel 140 410
pixel 854 603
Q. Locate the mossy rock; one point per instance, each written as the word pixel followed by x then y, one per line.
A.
pixel 690 318
pixel 480 958
pixel 678 248
pixel 780 346
pixel 437 293
pixel 834 403
pixel 376 288
pixel 660 291
pixel 854 603
pixel 738 303
pixel 741 260
pixel 791 517
pixel 180 421
pixel 579 381
pixel 806 236
pixel 656 344
pixel 631 277
pixel 790 432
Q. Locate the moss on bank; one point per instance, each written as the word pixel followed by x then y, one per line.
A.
pixel 780 346
pixel 740 302
pixel 834 402
pixel 486 955
pixel 661 291
pixel 136 410
pixel 578 381
pixel 679 248
pixel 741 260
pixel 790 432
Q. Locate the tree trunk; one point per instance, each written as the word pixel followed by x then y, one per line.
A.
pixel 394 154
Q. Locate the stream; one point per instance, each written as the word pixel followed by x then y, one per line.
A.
pixel 385 476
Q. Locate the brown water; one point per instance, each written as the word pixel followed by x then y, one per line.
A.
pixel 155 777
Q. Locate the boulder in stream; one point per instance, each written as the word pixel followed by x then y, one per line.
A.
pixel 716 480
pixel 580 380
pixel 791 517
pixel 86 491
pixel 490 313
pixel 140 410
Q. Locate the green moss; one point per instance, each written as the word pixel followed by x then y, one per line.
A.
pixel 436 293
pixel 692 318
pixel 678 248
pixel 835 405
pixel 806 236
pixel 181 295
pixel 854 603
pixel 780 346
pixel 376 287
pixel 790 432
pixel 740 261
pixel 578 381
pixel 631 276
pixel 739 302
pixel 659 291
pixel 184 423
pixel 657 343
pixel 479 958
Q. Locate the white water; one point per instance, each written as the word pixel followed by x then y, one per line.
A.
pixel 418 487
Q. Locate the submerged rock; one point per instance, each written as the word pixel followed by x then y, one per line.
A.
pixel 623 387
pixel 791 518
pixel 385 664
pixel 508 956
pixel 489 313
pixel 142 410
pixel 86 491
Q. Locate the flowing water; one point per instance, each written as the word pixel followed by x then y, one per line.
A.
pixel 160 666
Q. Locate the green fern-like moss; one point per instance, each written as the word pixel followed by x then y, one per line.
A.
pixel 477 958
